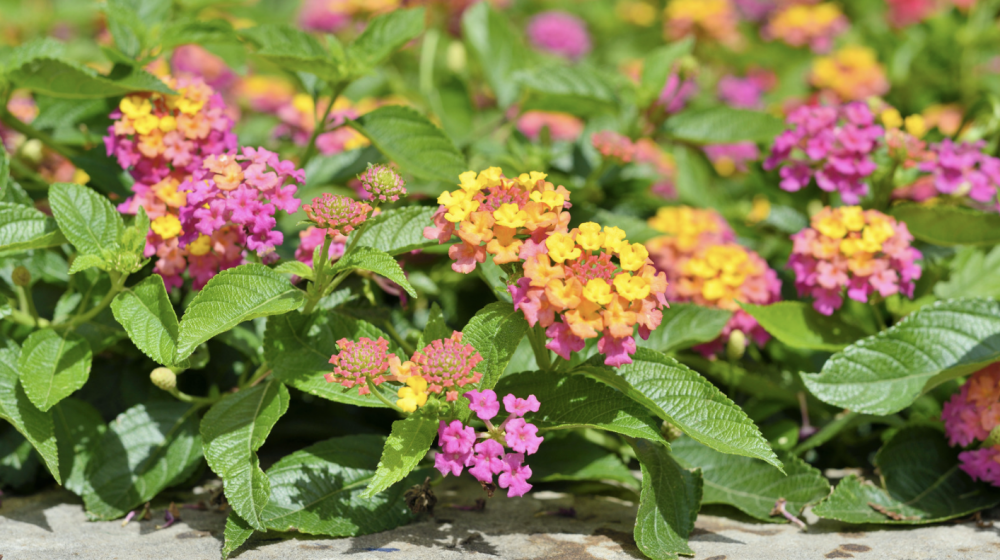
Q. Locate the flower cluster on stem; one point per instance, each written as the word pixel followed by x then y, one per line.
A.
pixel 970 416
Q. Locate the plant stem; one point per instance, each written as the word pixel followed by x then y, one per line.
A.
pixel 14 123
pixel 118 283
pixel 320 127
pixel 23 318
pixel 184 397
pixel 879 319
pixel 407 347
pixel 318 285
pixel 378 394
pixel 536 336
pixel 262 372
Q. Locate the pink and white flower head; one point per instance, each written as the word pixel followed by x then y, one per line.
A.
pixel 970 416
pixel 448 365
pixel 195 61
pixel 336 213
pixel 963 169
pixel 382 183
pixel 676 92
pixel 559 33
pixel 833 145
pixel 613 146
pixel 563 127
pixel 853 250
pixel 745 93
pixel 490 456
pixel 359 363
pixel 313 237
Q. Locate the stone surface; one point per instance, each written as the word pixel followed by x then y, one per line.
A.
pixel 52 526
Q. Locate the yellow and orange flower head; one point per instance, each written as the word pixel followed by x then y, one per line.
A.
pixel 508 219
pixel 860 251
pixel 852 73
pixel 713 20
pixel 573 287
pixel 685 229
pixel 799 25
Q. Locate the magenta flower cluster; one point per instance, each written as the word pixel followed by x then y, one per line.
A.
pixel 244 189
pixel 963 169
pixel 834 145
pixel 559 33
pixel 971 415
pixel 502 449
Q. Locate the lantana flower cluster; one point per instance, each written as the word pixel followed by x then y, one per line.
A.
pixel 833 145
pixel 716 20
pixel 970 416
pixel 563 127
pixel 501 449
pixel 572 288
pixel 746 92
pixel 852 73
pixel 559 33
pixel 963 168
pixel 704 266
pixel 815 25
pixel 491 214
pixel 860 251
pixel 620 149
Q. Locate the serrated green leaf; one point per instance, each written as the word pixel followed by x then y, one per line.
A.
pixel 723 125
pixel 668 504
pixel 383 36
pixel 685 325
pixel 126 28
pixel 149 319
pixel 495 278
pixel 570 89
pixel 973 274
pixel 413 142
pixel 798 325
pixel 15 407
pixel 23 228
pixel 87 219
pixel 78 429
pixel 196 31
pixel 407 445
pixel 500 50
pixel 949 225
pixel 658 65
pixel 687 400
pixel 236 533
pixel 923 484
pixel 495 331
pixel 885 373
pixel 83 262
pixel 232 431
pixel 298 268
pixel 399 230
pixel 298 347
pixel 318 490
pixel 573 457
pixel 53 365
pixel 234 295
pixel 751 485
pixel 374 260
pixel 436 328
pixel 147 448
pixel 290 48
pixel 576 401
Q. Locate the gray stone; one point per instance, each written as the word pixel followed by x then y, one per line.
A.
pixel 52 526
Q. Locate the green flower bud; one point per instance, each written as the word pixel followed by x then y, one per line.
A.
pixel 736 345
pixel 21 277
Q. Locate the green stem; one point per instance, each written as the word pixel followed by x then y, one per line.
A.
pixel 246 376
pixel 879 319
pixel 26 301
pixel 378 394
pixel 184 397
pixel 117 285
pixel 14 123
pixel 318 285
pixel 262 372
pixel 23 318
pixel 536 337
pixel 320 127
pixel 407 347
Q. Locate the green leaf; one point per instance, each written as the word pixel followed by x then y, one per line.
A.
pixel 687 400
pixel 23 228
pixel 53 365
pixel 885 373
pixel 751 485
pixel 407 445
pixel 573 457
pixel 298 347
pixel 298 268
pixel 4 175
pixel 636 229
pixel 723 125
pixel 318 490
pixel 973 274
pixel 15 407
pixel 290 48
pixel 237 532
pixel 500 50
pixel 495 278
pixel 657 67
pixel 234 295
pixel 373 260
pixel 84 262
pixel 147 448
pixel 78 429
pixel 798 325
pixel 923 484
pixel 949 225
pixel 436 328
pixel 87 219
pixel 495 331
pixel 576 401
pixel 383 36
pixel 413 142
pixel 148 316
pixel 685 325
pixel 668 504
pixel 232 431
pixel 399 230
pixel 570 89
pixel 196 31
